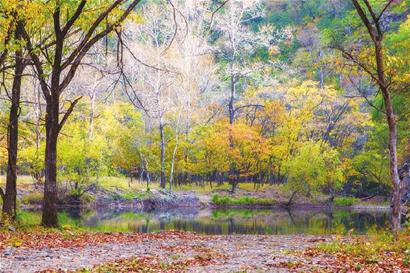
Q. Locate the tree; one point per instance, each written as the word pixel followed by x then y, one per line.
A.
pixel 235 46
pixel 372 20
pixel 9 204
pixel 314 166
pixel 71 31
pixel 152 80
pixel 13 44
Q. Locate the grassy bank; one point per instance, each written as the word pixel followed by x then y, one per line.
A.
pixel 221 200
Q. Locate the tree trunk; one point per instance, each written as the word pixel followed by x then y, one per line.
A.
pixel 391 121
pixel 171 175
pixel 162 144
pixel 394 174
pixel 231 110
pixel 376 33
pixel 49 218
pixel 9 200
pixel 290 201
pixel 321 72
pixel 91 117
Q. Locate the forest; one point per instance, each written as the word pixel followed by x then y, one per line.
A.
pixel 240 110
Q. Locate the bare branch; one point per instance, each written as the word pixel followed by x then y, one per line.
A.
pixel 77 55
pixel 73 18
pixel 365 20
pixel 384 9
pixel 216 10
pixel 68 113
pixel 39 67
pixel 374 17
pixel 363 96
pixel 174 15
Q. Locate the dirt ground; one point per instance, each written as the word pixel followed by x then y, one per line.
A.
pixel 193 253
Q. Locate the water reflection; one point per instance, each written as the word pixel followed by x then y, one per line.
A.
pixel 231 221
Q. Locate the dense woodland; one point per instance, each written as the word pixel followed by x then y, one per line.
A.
pixel 311 94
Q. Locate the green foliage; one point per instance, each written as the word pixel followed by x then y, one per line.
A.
pixel 315 166
pixel 244 200
pixel 35 197
pixel 136 195
pixel 345 201
pixel 28 219
pixel 296 120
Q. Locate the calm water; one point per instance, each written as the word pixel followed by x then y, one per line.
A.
pixel 229 221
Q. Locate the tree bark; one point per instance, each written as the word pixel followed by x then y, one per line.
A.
pixel 62 73
pixel 49 217
pixel 171 175
pixel 394 174
pixel 391 121
pixel 375 31
pixel 162 144
pixel 290 201
pixel 9 200
pixel 231 109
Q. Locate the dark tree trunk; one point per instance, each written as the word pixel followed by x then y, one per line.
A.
pixel 9 200
pixel 49 218
pixel 62 73
pixel 290 201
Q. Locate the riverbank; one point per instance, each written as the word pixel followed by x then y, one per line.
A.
pixel 62 251
pixel 120 193
pixel 73 251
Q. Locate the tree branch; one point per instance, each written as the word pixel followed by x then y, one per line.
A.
pixel 77 55
pixel 216 10
pixel 365 97
pixel 38 66
pixel 350 57
pixel 89 33
pixel 73 18
pixel 68 113
pixel 374 17
pixel 248 105
pixel 384 9
pixel 6 41
pixel 174 15
pixel 364 18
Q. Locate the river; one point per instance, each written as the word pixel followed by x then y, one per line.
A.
pixel 227 221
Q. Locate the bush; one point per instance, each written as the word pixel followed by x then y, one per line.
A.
pixel 136 195
pixel 35 197
pixel 244 200
pixel 345 201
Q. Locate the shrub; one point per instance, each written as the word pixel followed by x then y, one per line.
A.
pixel 244 200
pixel 345 201
pixel 35 197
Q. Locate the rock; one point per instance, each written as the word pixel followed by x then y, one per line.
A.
pixel 11 228
pixel 404 173
pixel 21 258
pixel 316 240
pixel 8 251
